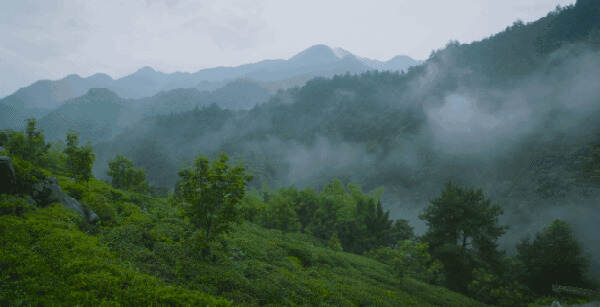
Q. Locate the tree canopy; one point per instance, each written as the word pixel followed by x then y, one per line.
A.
pixel 125 176
pixel 79 160
pixel 554 257
pixel 212 192
pixel 463 230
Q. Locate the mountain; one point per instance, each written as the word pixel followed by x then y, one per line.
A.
pixel 9 117
pixel 318 60
pixel 98 114
pixel 397 63
pixel 46 94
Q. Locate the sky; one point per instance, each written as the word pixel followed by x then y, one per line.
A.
pixel 50 39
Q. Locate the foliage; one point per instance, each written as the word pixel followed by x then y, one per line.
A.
pixel 79 160
pixel 46 260
pixel 462 234
pixel 280 214
pixel 11 205
pixel 410 259
pixel 30 145
pixel 295 269
pixel 334 243
pixel 213 192
pixel 554 257
pixel 27 175
pixel 357 220
pixel 490 288
pixel 146 255
pixel 125 176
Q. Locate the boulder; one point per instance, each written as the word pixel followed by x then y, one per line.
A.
pixel 48 191
pixel 8 176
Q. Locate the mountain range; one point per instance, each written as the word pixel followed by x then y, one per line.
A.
pixel 318 60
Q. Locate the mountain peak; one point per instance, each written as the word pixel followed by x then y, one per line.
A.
pixel 316 52
pixel 145 71
pixel 72 77
pixel 101 76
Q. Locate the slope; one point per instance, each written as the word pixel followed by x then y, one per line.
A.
pixel 143 251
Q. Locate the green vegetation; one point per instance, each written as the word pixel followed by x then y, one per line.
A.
pixel 46 259
pixel 29 146
pixel 343 216
pixel 212 192
pixel 462 234
pixel 151 251
pixel 79 160
pixel 218 239
pixel 555 257
pixel 125 176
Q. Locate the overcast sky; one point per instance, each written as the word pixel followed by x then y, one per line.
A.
pixel 49 39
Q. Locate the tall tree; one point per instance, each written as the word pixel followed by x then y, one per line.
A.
pixel 125 176
pixel 79 160
pixel 30 146
pixel 463 232
pixel 555 257
pixel 213 191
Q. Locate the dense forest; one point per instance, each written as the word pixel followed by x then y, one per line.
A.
pixel 470 179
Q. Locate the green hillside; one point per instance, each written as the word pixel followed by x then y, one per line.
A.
pixel 143 251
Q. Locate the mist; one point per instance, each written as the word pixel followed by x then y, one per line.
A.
pixel 480 136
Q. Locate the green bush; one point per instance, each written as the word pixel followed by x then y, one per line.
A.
pixel 27 175
pixel 13 205
pixel 46 260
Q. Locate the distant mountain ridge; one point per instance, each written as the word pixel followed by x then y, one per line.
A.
pixel 318 60
pixel 100 113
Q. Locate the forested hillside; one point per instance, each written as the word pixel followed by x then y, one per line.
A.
pixel 126 247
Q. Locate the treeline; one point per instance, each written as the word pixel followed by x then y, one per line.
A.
pixel 344 216
pixel 459 250
pixel 69 158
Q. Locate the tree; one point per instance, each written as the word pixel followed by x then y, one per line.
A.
pixel 125 176
pixel 213 192
pixel 334 242
pixel 555 257
pixel 280 214
pixel 463 232
pixel 401 231
pixel 79 160
pixel 30 146
pixel 371 228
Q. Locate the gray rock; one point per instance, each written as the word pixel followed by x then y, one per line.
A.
pixel 8 176
pixel 30 200
pixel 92 217
pixel 48 191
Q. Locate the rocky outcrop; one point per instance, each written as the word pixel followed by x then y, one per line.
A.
pixel 44 192
pixel 7 175
pixel 48 191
